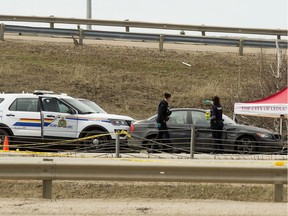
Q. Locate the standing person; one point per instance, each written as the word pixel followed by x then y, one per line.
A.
pixel 216 123
pixel 162 118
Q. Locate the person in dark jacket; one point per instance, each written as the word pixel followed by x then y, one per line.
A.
pixel 216 122
pixel 162 118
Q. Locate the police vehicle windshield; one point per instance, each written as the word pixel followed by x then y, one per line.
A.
pixel 79 106
pixel 93 105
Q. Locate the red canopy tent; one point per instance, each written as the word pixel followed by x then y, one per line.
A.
pixel 275 106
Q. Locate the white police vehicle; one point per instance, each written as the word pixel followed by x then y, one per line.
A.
pixel 50 116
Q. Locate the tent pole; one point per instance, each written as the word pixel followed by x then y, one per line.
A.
pixel 281 125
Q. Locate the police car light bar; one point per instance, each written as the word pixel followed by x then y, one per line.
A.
pixel 40 92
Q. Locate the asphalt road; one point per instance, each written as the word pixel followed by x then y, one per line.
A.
pixel 149 207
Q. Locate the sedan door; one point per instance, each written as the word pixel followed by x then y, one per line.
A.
pixel 204 141
pixel 179 129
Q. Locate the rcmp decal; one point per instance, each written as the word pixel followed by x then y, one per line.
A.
pixel 62 122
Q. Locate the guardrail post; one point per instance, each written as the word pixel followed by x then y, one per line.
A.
pixel 203 33
pixel 241 46
pixel 81 36
pixel 161 42
pixel 278 37
pixel 127 28
pixel 47 189
pixel 278 192
pixel 2 30
pixel 117 145
pixel 192 142
pixel 52 23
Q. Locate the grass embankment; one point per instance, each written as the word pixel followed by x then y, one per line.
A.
pixel 131 81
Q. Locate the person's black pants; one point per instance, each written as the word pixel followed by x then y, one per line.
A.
pixel 217 137
pixel 163 134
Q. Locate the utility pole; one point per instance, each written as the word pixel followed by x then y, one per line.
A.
pixel 89 12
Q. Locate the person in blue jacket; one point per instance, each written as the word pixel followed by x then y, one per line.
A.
pixel 216 122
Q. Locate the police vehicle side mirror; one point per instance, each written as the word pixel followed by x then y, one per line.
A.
pixel 71 111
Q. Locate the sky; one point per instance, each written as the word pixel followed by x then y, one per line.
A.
pixel 271 14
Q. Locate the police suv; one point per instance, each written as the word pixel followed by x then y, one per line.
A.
pixel 47 116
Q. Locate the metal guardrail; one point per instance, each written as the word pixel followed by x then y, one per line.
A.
pixel 240 42
pixel 49 169
pixel 146 37
pixel 127 24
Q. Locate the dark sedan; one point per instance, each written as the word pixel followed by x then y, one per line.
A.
pixel 237 138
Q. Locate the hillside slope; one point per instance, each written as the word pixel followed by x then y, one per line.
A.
pixel 131 81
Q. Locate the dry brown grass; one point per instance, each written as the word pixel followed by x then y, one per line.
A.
pixel 131 81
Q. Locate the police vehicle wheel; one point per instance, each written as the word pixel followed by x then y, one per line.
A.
pixel 246 145
pixel 3 133
pixel 100 141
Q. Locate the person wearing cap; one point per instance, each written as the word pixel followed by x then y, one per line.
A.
pixel 163 116
pixel 216 122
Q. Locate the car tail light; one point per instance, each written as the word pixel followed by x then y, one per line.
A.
pixel 132 128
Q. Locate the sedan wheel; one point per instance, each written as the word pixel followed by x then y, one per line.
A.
pixel 151 145
pixel 246 145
